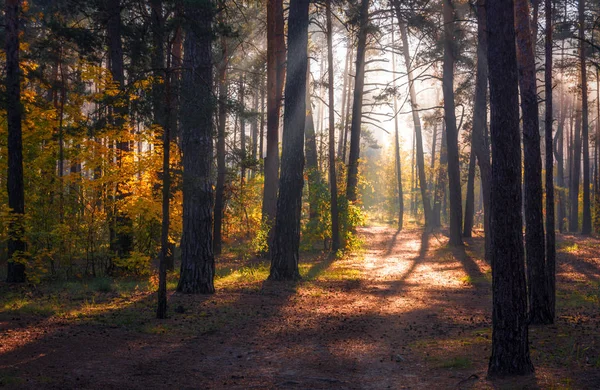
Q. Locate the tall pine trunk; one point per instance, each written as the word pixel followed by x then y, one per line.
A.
pixel 454 187
pixel 221 167
pixel 550 206
pixel 420 159
pixel 359 82
pixel 16 192
pixel 197 258
pixel 470 200
pixel 480 143
pixel 335 229
pixel 122 238
pixel 586 224
pixel 275 77
pixel 533 196
pixel 575 169
pixel 510 344
pixel 397 158
pixel 286 240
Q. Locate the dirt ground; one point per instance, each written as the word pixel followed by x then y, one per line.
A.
pixel 406 312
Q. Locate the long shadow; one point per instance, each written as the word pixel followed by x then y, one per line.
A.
pixel 392 243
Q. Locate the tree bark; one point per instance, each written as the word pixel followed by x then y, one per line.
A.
pixel 470 200
pixel 16 192
pixel 275 77
pixel 122 244
pixel 442 179
pixel 359 82
pixel 454 187
pixel 335 229
pixel 480 140
pixel 575 170
pixel 550 206
pixel 416 120
pixel 510 344
pixel 345 88
pixel 397 157
pixel 533 196
pixel 221 167
pixel 310 148
pixel 586 224
pixel 286 240
pixel 197 258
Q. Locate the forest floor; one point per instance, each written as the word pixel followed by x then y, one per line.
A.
pixel 406 311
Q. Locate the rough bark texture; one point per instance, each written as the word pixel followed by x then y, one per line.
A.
pixel 335 229
pixel 275 76
pixel 510 347
pixel 586 223
pixel 359 82
pixel 533 196
pixel 451 129
pixel 197 259
pixel 221 167
pixel 161 108
pixel 480 140
pixel 550 230
pixel 286 240
pixel 16 193
pixel 122 241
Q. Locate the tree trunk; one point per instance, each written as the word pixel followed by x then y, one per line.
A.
pixel 359 82
pixel 586 225
pixel 335 229
pixel 16 192
pixel 310 147
pixel 416 120
pixel 550 233
pixel 470 200
pixel 559 150
pixel 575 170
pixel 221 167
pixel 534 220
pixel 122 244
pixel 161 107
pixel 345 88
pixel 197 258
pixel 454 187
pixel 442 179
pixel 480 140
pixel 510 344
pixel 397 157
pixel 242 107
pixel 275 76
pixel 286 240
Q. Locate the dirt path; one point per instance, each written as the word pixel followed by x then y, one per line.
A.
pixel 407 312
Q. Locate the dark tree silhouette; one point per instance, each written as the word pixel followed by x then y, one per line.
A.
pixel 16 193
pixel 197 258
pixel 510 347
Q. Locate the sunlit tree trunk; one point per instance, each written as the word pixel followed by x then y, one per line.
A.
pixel 197 258
pixel 470 200
pixel 275 77
pixel 343 118
pixel 286 240
pixel 480 139
pixel 510 344
pixel 454 187
pixel 359 81
pixel 416 120
pixel 575 169
pixel 335 230
pixel 16 192
pixel 534 221
pixel 310 148
pixel 397 157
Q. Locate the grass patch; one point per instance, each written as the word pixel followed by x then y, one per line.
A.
pixel 458 363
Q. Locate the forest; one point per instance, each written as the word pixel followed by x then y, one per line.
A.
pixel 353 194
